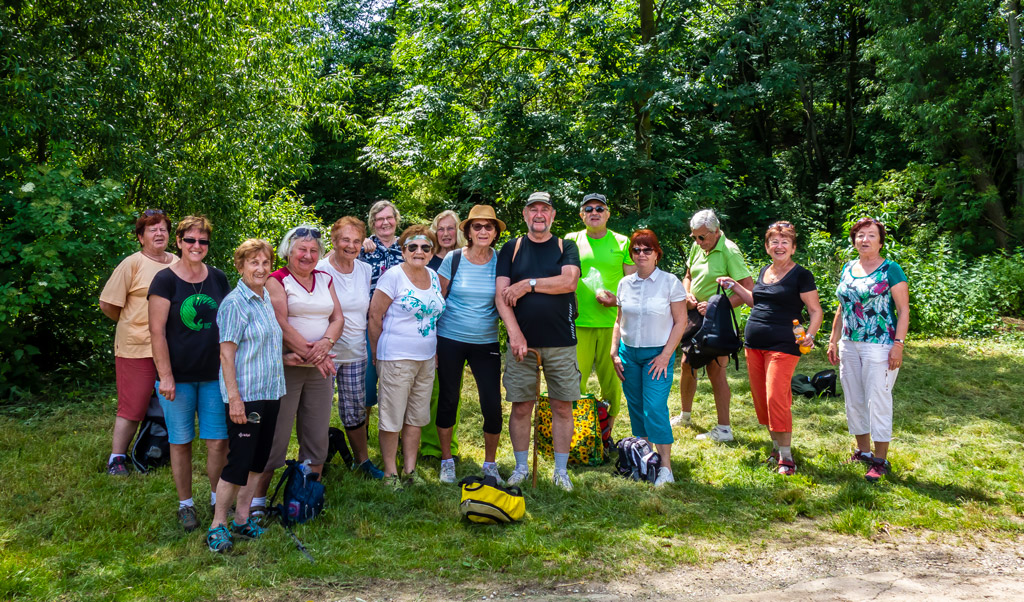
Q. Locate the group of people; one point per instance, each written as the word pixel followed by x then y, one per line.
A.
pixel 392 319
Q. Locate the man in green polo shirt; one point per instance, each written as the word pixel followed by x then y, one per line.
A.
pixel 711 256
pixel 604 256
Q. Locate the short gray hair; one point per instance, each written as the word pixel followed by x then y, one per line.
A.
pixel 284 250
pixel 706 218
pixel 376 208
pixel 460 240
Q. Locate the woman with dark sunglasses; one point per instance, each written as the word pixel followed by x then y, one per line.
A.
pixel 307 309
pixel 183 302
pixel 649 326
pixel 403 342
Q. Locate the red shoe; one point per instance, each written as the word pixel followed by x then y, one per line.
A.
pixel 787 467
pixel 879 468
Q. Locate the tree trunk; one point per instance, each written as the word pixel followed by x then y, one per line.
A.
pixel 984 183
pixel 812 131
pixel 1011 9
pixel 641 113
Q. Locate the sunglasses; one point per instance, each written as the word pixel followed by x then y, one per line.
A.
pixel 643 250
pixel 593 208
pixel 253 418
pixel 152 212
pixel 782 225
pixel 306 232
pixel 413 247
pixel 191 241
pixel 699 237
pixel 482 226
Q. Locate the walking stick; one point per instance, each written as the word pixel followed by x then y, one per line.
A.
pixel 536 420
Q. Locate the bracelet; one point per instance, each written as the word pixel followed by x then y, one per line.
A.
pixel 328 339
pixel 900 341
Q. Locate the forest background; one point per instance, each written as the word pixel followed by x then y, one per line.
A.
pixel 266 114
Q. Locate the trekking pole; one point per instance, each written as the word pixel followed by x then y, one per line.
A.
pixel 536 419
pixel 298 543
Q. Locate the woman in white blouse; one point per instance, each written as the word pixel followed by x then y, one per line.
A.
pixel 650 324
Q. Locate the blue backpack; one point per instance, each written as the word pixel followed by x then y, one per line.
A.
pixel 303 494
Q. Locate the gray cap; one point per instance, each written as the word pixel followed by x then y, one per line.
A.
pixel 539 197
pixel 593 196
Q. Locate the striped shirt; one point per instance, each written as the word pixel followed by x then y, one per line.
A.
pixel 247 320
pixel 470 316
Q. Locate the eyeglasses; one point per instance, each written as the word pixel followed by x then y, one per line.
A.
pixel 191 241
pixel 253 418
pixel 305 232
pixel 593 208
pixel 482 226
pixel 152 212
pixel 384 218
pixel 643 250
pixel 413 247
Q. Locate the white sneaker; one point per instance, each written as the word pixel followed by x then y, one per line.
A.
pixel 447 472
pixel 561 480
pixel 681 420
pixel 518 476
pixel 664 477
pixel 493 472
pixel 717 434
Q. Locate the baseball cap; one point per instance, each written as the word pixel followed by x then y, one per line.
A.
pixel 593 196
pixel 539 197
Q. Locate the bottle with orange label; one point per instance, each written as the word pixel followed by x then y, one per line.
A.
pixel 800 334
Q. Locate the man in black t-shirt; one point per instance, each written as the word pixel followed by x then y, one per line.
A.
pixel 536 294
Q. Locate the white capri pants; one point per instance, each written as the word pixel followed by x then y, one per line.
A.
pixel 867 386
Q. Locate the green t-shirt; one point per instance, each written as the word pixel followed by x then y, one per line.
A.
pixel 601 260
pixel 724 260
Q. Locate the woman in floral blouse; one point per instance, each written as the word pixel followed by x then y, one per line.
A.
pixel 867 342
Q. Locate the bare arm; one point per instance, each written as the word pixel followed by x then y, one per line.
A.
pixel 236 407
pixel 159 307
pixel 691 300
pixel 901 297
pixel 379 305
pixel 810 299
pixel 747 283
pixel 658 367
pixel 738 290
pixel 445 283
pixel 628 269
pixel 616 338
pixel 110 310
pixel 837 332
pixel 516 340
pixel 552 285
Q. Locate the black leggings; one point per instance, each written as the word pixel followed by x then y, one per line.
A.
pixel 485 363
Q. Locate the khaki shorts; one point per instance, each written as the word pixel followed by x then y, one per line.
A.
pixel 561 374
pixel 404 397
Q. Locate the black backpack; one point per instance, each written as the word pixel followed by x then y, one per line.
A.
pixel 151 448
pixel 824 383
pixel 637 461
pixel 303 494
pixel 718 334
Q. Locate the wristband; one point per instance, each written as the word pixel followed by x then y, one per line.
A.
pixel 900 341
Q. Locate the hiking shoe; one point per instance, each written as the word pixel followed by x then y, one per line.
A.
pixel 188 519
pixel 219 539
pixel 518 476
pixel 447 471
pixel 492 471
pixel 561 480
pixel 787 467
pixel 879 468
pixel 681 420
pixel 117 467
pixel 664 477
pixel 717 434
pixel 392 482
pixel 250 530
pixel 259 513
pixel 859 456
pixel 370 471
pixel 412 479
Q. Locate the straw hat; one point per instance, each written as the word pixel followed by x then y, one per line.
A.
pixel 482 212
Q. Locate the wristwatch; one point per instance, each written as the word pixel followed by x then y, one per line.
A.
pixel 533 285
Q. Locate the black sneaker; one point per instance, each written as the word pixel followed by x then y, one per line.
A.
pixel 118 467
pixel 188 519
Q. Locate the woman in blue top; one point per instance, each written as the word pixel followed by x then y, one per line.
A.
pixel 870 326
pixel 468 332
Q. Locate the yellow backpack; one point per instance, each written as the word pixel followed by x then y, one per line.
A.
pixel 484 501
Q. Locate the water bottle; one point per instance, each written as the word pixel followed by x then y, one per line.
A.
pixel 800 334
pixel 305 469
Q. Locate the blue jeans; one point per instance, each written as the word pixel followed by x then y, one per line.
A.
pixel 371 375
pixel 646 398
pixel 190 400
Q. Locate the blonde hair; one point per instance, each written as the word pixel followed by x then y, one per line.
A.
pixel 193 221
pixel 460 240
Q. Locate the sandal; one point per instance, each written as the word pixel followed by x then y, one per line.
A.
pixel 787 467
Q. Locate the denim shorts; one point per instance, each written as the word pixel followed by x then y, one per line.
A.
pixel 192 399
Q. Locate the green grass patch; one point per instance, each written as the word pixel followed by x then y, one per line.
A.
pixel 70 532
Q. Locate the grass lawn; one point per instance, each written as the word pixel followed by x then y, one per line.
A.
pixel 70 532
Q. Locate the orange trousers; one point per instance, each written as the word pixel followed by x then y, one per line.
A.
pixel 771 375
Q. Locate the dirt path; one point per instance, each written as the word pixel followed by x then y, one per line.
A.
pixel 802 564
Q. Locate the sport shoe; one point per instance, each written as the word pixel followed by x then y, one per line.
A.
pixel 219 539
pixel 717 434
pixel 411 478
pixel 518 476
pixel 393 482
pixel 681 420
pixel 787 467
pixel 188 519
pixel 447 472
pixel 117 468
pixel 259 513
pixel 250 530
pixel 859 456
pixel 561 480
pixel 879 468
pixel 370 471
pixel 664 477
pixel 492 471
